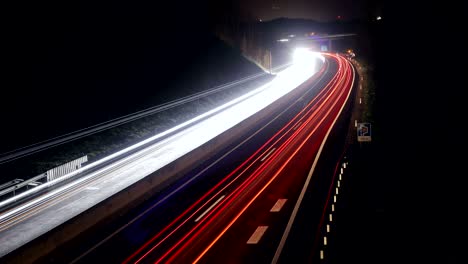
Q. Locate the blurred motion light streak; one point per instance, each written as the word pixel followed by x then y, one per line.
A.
pixel 195 134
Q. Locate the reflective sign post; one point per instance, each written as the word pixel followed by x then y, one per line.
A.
pixel 364 132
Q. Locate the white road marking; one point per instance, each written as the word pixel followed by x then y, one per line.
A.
pixel 309 176
pixel 209 208
pixel 278 205
pixel 266 156
pixel 257 235
pixel 296 126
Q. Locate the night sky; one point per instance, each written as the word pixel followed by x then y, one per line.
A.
pixel 319 10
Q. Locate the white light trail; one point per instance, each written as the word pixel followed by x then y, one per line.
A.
pixel 195 134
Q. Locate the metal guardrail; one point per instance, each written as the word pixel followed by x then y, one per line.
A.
pixel 10 183
pixel 33 182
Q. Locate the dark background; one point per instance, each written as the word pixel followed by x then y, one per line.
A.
pixel 418 54
pixel 63 58
pixel 69 65
pixel 417 170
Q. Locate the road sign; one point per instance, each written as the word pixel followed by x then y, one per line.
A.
pixel 364 132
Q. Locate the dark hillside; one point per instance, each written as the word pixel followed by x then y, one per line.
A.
pixel 74 65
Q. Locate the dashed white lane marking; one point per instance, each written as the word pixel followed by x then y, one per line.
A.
pixel 209 208
pixel 296 126
pixel 257 235
pixel 266 156
pixel 278 205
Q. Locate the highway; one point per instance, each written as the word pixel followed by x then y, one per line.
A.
pixel 271 179
pixel 220 209
pixel 223 211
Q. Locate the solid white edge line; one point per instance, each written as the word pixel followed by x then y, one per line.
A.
pixel 209 208
pixel 306 184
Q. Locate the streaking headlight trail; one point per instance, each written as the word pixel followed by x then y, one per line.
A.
pixel 133 163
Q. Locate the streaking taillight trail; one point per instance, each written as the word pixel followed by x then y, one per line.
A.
pixel 240 188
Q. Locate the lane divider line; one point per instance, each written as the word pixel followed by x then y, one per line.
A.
pixel 269 153
pixel 278 205
pixel 296 126
pixel 209 208
pixel 257 234
pixel 299 201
